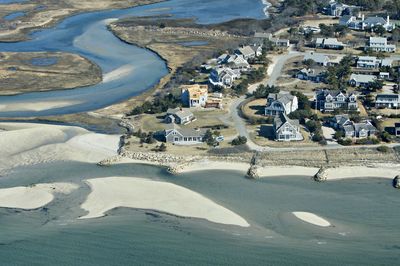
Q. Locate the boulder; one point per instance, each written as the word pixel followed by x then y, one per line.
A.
pixel 253 172
pixel 321 175
pixel 396 182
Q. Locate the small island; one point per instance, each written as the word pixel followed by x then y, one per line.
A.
pixel 45 71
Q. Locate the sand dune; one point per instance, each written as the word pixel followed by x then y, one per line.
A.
pixel 112 192
pixel 28 144
pixel 33 197
pixel 312 219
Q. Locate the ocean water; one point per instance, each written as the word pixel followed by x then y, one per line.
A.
pixel 14 15
pixel 363 213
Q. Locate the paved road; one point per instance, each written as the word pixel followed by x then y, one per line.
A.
pixel 275 71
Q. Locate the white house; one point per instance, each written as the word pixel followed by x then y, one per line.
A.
pixel 311 74
pixel 329 43
pixel 379 44
pixel 387 101
pixel 237 62
pixel 368 62
pixel 249 51
pixel 328 101
pixel 362 23
pixel 322 59
pixel 282 102
pixel 280 42
pixel 183 136
pixel 286 129
pixel 179 116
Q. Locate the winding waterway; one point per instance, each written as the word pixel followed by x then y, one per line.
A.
pixel 87 35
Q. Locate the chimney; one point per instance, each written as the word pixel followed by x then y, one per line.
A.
pixel 362 17
pixel 387 20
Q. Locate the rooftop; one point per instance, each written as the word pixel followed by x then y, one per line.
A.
pixel 195 90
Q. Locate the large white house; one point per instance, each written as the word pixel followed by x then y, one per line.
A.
pixel 286 129
pixel 379 44
pixel 328 101
pixel 368 62
pixel 322 59
pixel 282 102
pixel 183 136
pixel 362 23
pixel 387 101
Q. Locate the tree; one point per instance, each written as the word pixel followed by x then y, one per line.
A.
pixel 376 85
pixel 302 99
pixel 241 88
pixel 309 63
pixel 326 30
pixel 340 30
pixel 263 91
pixel 337 76
pixel 396 34
pixel 240 140
pixel 379 29
pixel 383 149
pixel 339 135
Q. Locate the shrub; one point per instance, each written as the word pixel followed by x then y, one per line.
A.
pixel 345 142
pixel 240 140
pixel 162 147
pixel 383 149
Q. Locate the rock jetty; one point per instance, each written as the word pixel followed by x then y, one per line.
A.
pixel 109 161
pixel 252 173
pixel 321 175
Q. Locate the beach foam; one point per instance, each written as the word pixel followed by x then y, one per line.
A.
pixel 112 192
pixel 312 218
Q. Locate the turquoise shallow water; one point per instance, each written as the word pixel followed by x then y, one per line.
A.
pixel 363 213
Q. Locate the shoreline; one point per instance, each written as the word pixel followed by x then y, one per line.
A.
pixel 384 171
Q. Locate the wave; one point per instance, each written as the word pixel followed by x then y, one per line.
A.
pixel 267 6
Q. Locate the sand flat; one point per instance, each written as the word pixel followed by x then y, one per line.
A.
pixel 312 218
pixel 31 143
pixel 112 192
pixel 33 197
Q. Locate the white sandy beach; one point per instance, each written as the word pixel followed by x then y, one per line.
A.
pixel 33 197
pixel 312 219
pixel 28 144
pixel 112 192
